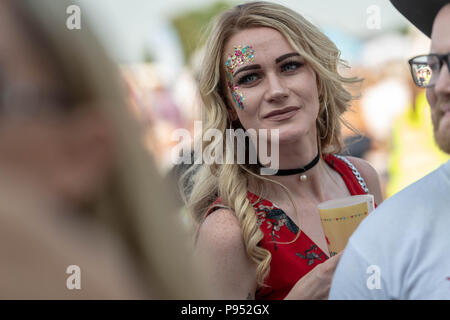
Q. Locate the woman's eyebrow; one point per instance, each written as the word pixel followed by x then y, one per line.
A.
pixel 257 66
pixel 285 56
pixel 250 67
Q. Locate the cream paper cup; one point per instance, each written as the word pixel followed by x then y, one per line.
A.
pixel 341 217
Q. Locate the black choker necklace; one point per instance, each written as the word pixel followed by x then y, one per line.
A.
pixel 288 172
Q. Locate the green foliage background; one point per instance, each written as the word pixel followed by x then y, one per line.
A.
pixel 191 25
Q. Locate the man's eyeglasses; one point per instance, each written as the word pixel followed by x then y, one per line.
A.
pixel 425 69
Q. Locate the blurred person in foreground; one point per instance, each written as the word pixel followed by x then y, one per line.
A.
pixel 401 250
pixel 268 68
pixel 76 186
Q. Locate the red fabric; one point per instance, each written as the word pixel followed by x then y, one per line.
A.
pixel 290 262
pixel 346 173
pixel 214 206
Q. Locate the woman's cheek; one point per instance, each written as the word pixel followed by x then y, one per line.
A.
pixel 241 55
pixel 238 98
pixel 431 97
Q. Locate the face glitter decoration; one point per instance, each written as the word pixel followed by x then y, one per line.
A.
pixel 239 57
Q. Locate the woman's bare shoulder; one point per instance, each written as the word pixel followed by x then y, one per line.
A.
pixel 363 166
pixel 220 229
pixel 220 245
pixel 370 175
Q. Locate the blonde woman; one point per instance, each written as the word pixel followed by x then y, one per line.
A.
pixel 266 67
pixel 83 212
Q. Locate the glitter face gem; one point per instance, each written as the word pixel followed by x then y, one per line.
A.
pixel 239 57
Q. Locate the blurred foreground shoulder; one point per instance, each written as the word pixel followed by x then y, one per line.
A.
pixel 41 248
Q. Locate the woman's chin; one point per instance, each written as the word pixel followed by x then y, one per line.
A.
pixel 289 136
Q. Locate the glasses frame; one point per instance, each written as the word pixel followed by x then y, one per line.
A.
pixel 443 58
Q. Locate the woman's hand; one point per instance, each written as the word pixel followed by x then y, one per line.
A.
pixel 315 285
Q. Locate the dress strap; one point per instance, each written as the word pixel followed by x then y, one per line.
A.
pixel 351 176
pixel 355 172
pixel 214 206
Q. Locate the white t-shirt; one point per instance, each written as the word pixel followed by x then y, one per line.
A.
pixel 402 249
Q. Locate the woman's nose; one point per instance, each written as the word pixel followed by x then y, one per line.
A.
pixel 276 89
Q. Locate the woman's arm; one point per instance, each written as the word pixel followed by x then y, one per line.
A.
pixel 220 246
pixel 232 275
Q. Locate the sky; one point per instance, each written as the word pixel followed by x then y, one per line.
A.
pixel 128 27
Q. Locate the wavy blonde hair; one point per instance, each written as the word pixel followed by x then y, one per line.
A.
pixel 230 181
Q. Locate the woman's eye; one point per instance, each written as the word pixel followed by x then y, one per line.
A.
pixel 290 66
pixel 248 79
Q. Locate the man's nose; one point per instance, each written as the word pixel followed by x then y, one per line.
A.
pixel 277 89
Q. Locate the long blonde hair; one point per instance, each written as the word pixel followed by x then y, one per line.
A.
pixel 230 181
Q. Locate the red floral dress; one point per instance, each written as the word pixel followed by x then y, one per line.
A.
pixel 290 262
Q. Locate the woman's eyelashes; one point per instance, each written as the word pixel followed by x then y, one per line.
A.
pixel 291 66
pixel 247 79
pixel 252 78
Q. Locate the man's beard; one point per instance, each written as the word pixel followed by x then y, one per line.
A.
pixel 441 130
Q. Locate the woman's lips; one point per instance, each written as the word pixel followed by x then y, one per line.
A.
pixel 282 114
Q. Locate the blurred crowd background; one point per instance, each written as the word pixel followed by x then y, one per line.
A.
pixel 158 47
pixel 78 185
